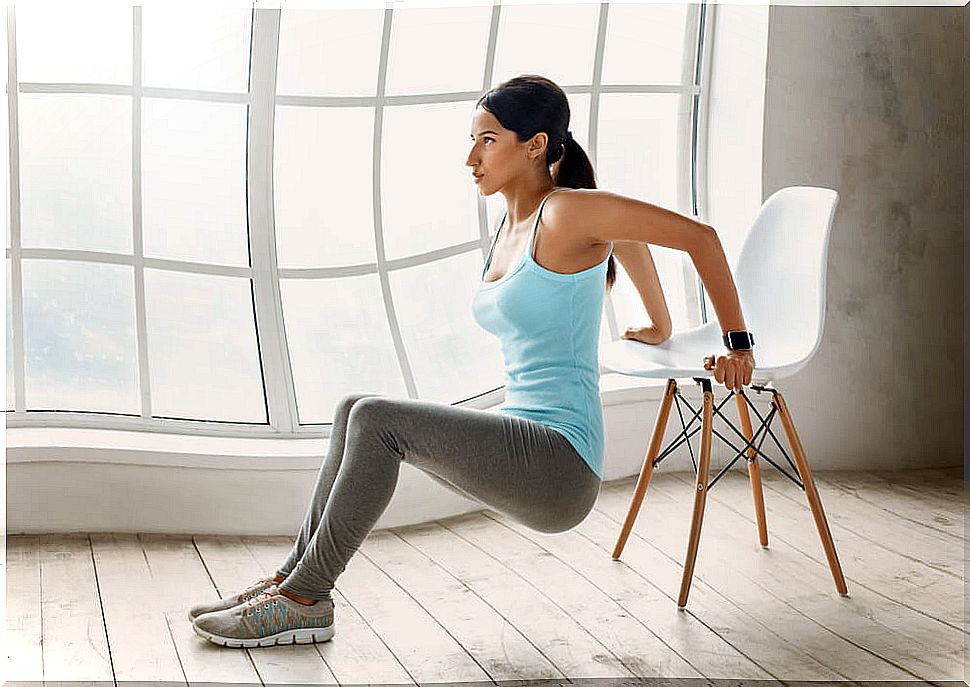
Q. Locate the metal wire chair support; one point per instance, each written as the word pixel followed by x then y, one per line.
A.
pixel 764 430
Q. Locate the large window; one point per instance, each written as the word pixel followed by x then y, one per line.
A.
pixel 223 220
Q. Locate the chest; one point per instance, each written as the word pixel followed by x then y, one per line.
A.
pixel 553 250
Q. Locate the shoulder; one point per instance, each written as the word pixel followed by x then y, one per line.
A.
pixel 572 211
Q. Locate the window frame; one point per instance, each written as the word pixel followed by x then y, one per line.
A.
pixel 280 394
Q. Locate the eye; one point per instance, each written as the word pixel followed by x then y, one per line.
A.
pixel 489 138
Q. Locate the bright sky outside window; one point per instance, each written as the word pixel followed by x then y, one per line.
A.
pixel 275 211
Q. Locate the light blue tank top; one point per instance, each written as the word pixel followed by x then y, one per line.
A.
pixel 548 324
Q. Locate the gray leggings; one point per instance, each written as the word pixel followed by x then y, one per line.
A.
pixel 516 466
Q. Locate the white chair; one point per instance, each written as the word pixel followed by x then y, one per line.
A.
pixel 780 277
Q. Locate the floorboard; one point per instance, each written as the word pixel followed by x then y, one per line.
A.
pixel 480 598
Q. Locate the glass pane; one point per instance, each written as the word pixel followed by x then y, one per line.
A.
pixel 75 167
pixel 639 156
pixel 74 42
pixel 339 342
pixel 329 52
pixel 324 186
pixel 10 373
pixel 202 349
pixel 640 147
pixel 451 356
pixel 428 193
pixel 556 41
pixel 80 345
pixel 196 47
pixel 461 33
pixel 194 181
pixel 645 44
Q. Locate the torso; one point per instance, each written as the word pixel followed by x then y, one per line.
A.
pixel 556 248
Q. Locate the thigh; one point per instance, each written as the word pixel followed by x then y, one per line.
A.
pixel 514 465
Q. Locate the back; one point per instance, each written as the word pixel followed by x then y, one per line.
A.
pixel 781 272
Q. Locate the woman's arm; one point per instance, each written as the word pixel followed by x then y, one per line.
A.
pixel 603 216
pixel 639 265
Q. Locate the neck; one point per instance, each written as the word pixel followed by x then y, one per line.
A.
pixel 523 200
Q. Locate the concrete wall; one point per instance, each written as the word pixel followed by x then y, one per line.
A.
pixel 869 101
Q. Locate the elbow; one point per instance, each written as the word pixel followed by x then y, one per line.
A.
pixel 662 330
pixel 705 237
pixel 709 233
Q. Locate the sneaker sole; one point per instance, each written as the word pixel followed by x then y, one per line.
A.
pixel 301 636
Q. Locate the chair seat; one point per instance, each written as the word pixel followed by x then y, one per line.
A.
pixel 682 355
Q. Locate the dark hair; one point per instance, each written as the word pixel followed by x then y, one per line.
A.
pixel 528 104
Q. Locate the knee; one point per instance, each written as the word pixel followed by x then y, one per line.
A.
pixel 363 407
pixel 374 415
pixel 555 526
pixel 370 416
pixel 562 521
pixel 348 402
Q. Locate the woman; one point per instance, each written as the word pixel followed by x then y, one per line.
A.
pixel 539 460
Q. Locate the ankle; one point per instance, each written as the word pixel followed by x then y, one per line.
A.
pixel 296 597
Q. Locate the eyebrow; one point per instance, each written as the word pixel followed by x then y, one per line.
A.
pixel 489 131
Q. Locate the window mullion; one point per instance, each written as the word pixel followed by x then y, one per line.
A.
pixel 483 228
pixel 592 134
pixel 271 335
pixel 701 112
pixel 137 229
pixel 16 272
pixel 396 338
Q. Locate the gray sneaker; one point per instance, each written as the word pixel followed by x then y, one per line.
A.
pixel 231 600
pixel 267 620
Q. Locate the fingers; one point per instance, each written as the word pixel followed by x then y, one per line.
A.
pixel 731 372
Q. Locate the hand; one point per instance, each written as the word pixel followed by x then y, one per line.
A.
pixel 649 335
pixel 733 370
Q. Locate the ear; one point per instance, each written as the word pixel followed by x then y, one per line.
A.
pixel 538 143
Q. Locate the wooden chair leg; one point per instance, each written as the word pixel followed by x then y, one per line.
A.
pixel 647 470
pixel 700 496
pixel 814 501
pixel 754 469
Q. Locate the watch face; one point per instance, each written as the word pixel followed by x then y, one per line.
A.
pixel 739 340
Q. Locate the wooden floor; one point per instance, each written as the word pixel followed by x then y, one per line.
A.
pixel 478 598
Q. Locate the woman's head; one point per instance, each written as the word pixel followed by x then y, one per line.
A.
pixel 522 127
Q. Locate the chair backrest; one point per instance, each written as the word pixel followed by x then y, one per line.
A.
pixel 780 273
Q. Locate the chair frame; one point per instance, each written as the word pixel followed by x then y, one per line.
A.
pixel 750 452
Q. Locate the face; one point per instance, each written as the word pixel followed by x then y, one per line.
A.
pixel 496 155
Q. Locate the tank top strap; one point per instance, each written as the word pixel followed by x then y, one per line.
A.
pixel 488 258
pixel 535 224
